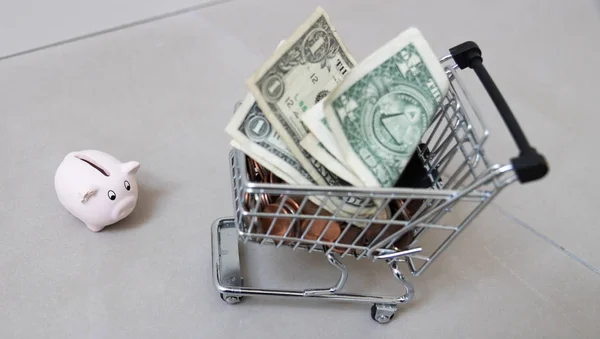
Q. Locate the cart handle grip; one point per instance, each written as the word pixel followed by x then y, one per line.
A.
pixel 529 165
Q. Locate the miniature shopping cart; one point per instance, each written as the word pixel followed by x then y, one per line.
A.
pixel 451 181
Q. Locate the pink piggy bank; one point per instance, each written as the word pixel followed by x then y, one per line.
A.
pixel 96 188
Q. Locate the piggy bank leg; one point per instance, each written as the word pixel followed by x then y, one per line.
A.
pixel 94 228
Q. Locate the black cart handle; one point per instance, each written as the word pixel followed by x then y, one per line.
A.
pixel 529 165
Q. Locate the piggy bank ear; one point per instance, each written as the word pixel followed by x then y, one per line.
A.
pixel 130 167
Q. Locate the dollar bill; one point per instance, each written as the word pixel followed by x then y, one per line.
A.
pixel 262 161
pixel 301 72
pixel 313 146
pixel 253 134
pixel 380 111
pixel 315 121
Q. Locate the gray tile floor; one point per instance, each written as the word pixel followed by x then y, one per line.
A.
pixel 160 92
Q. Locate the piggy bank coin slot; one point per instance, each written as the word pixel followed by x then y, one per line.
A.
pixel 96 166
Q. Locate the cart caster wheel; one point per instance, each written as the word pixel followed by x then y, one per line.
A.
pixel 382 313
pixel 232 299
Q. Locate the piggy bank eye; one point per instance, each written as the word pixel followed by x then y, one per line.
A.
pixel 112 195
pixel 127 185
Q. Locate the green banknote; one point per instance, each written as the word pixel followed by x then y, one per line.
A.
pixel 301 72
pixel 381 110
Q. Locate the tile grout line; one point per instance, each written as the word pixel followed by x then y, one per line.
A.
pixel 117 28
pixel 547 239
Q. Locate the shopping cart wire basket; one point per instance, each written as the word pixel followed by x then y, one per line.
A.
pixel 446 184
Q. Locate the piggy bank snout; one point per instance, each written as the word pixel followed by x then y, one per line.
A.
pixel 123 208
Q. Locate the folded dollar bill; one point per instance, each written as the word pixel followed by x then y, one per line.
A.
pixel 313 146
pixel 263 161
pixel 380 111
pixel 301 72
pixel 254 136
pixel 314 119
pixel 307 66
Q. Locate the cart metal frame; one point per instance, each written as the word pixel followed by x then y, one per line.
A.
pixel 460 178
